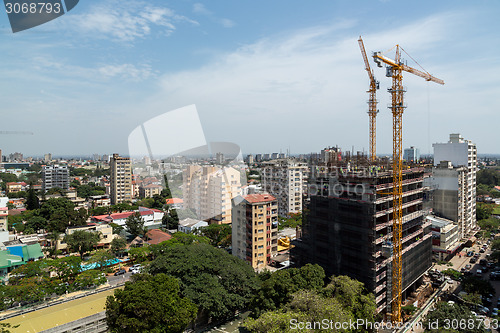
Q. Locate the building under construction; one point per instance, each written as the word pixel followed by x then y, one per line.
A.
pixel 348 228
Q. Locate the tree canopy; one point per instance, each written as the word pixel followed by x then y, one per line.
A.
pixel 442 316
pixel 149 304
pixel 135 224
pixel 82 241
pixel 217 282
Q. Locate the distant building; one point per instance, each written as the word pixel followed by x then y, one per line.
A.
pixel 411 154
pixel 121 179
pixel 148 191
pixel 219 158
pixel 209 191
pixel 55 176
pixel 284 179
pixel 255 229
pixel 462 153
pixel 14 187
pixel 250 159
pixel 105 230
pixel 47 158
pixel 175 203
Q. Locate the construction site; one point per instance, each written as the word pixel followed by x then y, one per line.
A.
pixel 348 230
pixel 366 215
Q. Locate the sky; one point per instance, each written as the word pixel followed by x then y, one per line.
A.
pixel 267 76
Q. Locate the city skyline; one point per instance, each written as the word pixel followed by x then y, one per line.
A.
pixel 84 81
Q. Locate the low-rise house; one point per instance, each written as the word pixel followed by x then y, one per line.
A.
pixel 14 187
pixel 156 236
pixel 105 230
pixel 175 203
pixel 99 201
pixel 151 217
pixel 189 225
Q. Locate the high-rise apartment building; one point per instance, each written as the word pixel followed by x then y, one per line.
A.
pixel 121 179
pixel 449 194
pixel 255 229
pixel 411 154
pixel 461 153
pixel 284 179
pixel 55 176
pixel 209 191
pixel 348 229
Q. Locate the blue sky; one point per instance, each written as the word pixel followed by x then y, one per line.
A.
pixel 264 75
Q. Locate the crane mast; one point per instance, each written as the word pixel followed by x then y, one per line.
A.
pixel 395 70
pixel 372 103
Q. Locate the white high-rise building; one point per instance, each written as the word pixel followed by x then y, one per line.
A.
pixel 209 191
pixel 461 153
pixel 284 179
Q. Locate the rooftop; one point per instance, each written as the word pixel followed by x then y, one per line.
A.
pixel 256 198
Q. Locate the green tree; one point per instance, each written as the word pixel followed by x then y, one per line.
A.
pixel 166 193
pixel 37 223
pixel 82 241
pixel 101 258
pixel 472 284
pixel 139 254
pixel 170 219
pixel 352 296
pixel 117 229
pixel 277 289
pixel 443 313
pixel 217 282
pixel 135 225
pixel 32 201
pixel 483 211
pixel 118 245
pixel 89 279
pixel 218 234
pixel 53 237
pixel 67 268
pixel 305 306
pixel 149 304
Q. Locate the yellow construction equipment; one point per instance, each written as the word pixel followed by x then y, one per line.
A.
pixel 283 243
pixel 395 70
pixel 372 103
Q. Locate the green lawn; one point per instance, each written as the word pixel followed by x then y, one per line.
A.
pixel 496 211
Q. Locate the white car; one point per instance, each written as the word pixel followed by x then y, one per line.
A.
pixel 479 272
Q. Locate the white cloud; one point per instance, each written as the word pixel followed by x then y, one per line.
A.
pixel 125 21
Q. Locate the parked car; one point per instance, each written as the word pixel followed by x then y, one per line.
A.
pixel 473 260
pixel 481 251
pixel 468 266
pixel 120 272
pixel 479 273
pixel 134 267
pixel 494 312
pixel 470 254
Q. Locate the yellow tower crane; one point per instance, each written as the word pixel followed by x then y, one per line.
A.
pixel 395 70
pixel 372 103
